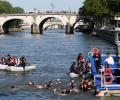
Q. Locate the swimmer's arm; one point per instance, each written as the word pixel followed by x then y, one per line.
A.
pixel 102 93
pixel 63 94
pixel 39 86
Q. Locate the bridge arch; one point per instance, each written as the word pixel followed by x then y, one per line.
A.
pixel 11 23
pixel 59 25
pixel 75 24
pixel 45 20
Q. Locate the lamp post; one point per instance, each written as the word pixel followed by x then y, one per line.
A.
pixel 52 7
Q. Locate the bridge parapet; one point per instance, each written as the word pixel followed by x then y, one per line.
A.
pixel 67 19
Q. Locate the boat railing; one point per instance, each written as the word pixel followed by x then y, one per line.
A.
pixel 102 77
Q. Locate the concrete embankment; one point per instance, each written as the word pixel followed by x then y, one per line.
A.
pixel 108 35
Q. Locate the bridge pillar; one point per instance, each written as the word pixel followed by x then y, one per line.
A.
pixel 69 29
pixel 1 30
pixel 35 29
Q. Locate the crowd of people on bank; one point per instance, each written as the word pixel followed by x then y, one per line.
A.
pixel 13 61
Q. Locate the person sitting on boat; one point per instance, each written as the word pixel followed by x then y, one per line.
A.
pixel 88 64
pixel 72 68
pixel 2 60
pixel 108 69
pixel 97 60
pixel 87 68
pixel 8 60
pixel 80 60
pixel 109 59
pixel 17 61
pixel 23 62
pixel 13 61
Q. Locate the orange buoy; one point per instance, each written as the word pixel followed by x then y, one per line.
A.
pixel 107 82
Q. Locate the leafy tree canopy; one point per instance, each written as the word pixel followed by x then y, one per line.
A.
pixel 7 8
pixel 101 8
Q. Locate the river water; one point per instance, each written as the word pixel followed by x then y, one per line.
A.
pixel 53 53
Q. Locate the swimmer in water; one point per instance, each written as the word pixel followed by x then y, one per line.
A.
pixel 101 93
pixel 38 86
pixel 64 92
pixel 73 86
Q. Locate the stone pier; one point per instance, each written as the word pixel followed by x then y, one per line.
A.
pixel 69 29
pixel 1 30
pixel 35 29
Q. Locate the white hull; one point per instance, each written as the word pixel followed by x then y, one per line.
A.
pixel 17 69
pixel 73 75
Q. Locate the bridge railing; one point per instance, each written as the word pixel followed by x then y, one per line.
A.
pixel 43 13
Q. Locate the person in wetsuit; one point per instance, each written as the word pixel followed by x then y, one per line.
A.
pixel 73 86
pixel 40 86
pixel 64 92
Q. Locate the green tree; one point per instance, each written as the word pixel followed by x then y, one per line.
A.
pixel 100 8
pixel 113 6
pixel 95 7
pixel 7 8
pixel 18 10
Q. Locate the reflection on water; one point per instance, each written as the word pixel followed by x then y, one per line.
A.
pixel 53 53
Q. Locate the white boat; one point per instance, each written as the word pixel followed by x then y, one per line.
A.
pixel 3 67
pixel 17 68
pixel 73 75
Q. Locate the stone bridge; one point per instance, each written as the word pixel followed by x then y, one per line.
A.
pixel 37 21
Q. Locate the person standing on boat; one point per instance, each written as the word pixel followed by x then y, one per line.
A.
pixel 109 59
pixel 97 60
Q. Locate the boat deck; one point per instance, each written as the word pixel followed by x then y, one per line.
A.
pixel 97 76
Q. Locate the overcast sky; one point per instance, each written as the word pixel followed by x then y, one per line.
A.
pixel 45 5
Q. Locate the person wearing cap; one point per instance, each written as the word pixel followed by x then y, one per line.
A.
pixel 109 59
